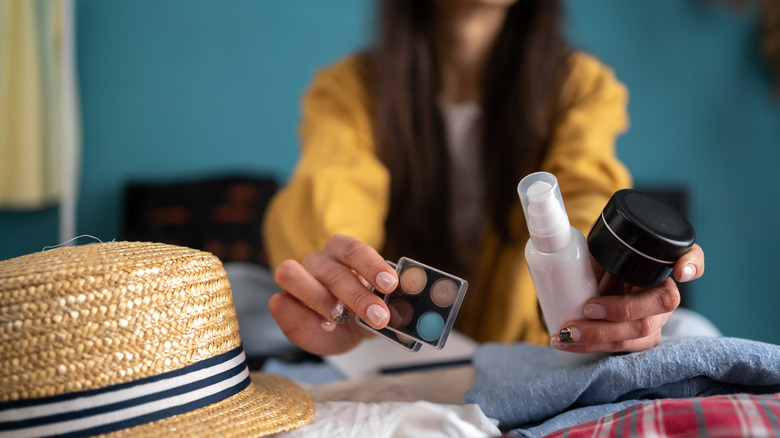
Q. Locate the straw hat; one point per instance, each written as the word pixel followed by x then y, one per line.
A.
pixel 130 338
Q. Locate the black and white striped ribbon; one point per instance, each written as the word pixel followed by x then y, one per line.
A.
pixel 128 404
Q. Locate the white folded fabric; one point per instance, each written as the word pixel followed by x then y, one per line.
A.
pixel 396 420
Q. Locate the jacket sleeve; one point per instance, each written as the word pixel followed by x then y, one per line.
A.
pixel 592 113
pixel 339 185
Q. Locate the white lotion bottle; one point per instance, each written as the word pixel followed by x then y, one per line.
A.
pixel 558 257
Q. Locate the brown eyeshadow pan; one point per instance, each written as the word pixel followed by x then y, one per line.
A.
pixel 401 313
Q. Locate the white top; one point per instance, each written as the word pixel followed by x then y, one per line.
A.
pixel 463 130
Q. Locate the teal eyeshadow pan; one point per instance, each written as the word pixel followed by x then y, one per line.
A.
pixel 430 326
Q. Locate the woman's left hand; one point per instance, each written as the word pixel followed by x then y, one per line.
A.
pixel 627 318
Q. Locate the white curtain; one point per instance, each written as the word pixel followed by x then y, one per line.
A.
pixel 40 133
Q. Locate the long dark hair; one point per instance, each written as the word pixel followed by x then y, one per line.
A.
pixel 520 84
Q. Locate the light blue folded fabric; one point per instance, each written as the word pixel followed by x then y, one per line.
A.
pixel 523 385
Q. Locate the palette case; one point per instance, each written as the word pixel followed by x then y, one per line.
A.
pixel 423 306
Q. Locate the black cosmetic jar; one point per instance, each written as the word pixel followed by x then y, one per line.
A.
pixel 639 237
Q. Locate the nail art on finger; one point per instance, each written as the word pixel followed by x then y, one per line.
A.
pixel 340 314
pixel 569 335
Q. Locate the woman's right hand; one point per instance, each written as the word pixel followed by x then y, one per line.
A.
pixel 325 289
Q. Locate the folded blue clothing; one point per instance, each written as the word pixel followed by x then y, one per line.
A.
pixel 522 384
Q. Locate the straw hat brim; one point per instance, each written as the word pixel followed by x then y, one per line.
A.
pixel 271 404
pixel 81 325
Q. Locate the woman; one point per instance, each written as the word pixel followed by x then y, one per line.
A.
pixel 416 147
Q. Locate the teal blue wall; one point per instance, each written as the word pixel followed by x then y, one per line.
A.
pixel 193 87
pixel 702 118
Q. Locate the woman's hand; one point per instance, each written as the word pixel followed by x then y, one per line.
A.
pixel 314 309
pixel 628 318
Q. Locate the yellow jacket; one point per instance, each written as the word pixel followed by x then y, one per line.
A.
pixel 340 186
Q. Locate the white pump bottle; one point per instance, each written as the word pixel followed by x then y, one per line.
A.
pixel 558 257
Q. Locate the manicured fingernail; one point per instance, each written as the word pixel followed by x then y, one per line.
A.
pixel 569 335
pixel 340 314
pixel 376 314
pixel 594 311
pixel 555 343
pixel 328 326
pixel 385 281
pixel 688 272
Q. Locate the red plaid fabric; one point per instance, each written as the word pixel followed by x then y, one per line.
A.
pixel 736 415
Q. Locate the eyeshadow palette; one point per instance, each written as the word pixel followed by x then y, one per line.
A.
pixel 399 339
pixel 423 306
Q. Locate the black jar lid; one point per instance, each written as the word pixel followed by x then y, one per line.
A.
pixel 639 232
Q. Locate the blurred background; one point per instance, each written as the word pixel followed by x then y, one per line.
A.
pixel 177 90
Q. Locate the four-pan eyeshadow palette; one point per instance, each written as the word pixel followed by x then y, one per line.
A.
pixel 423 307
